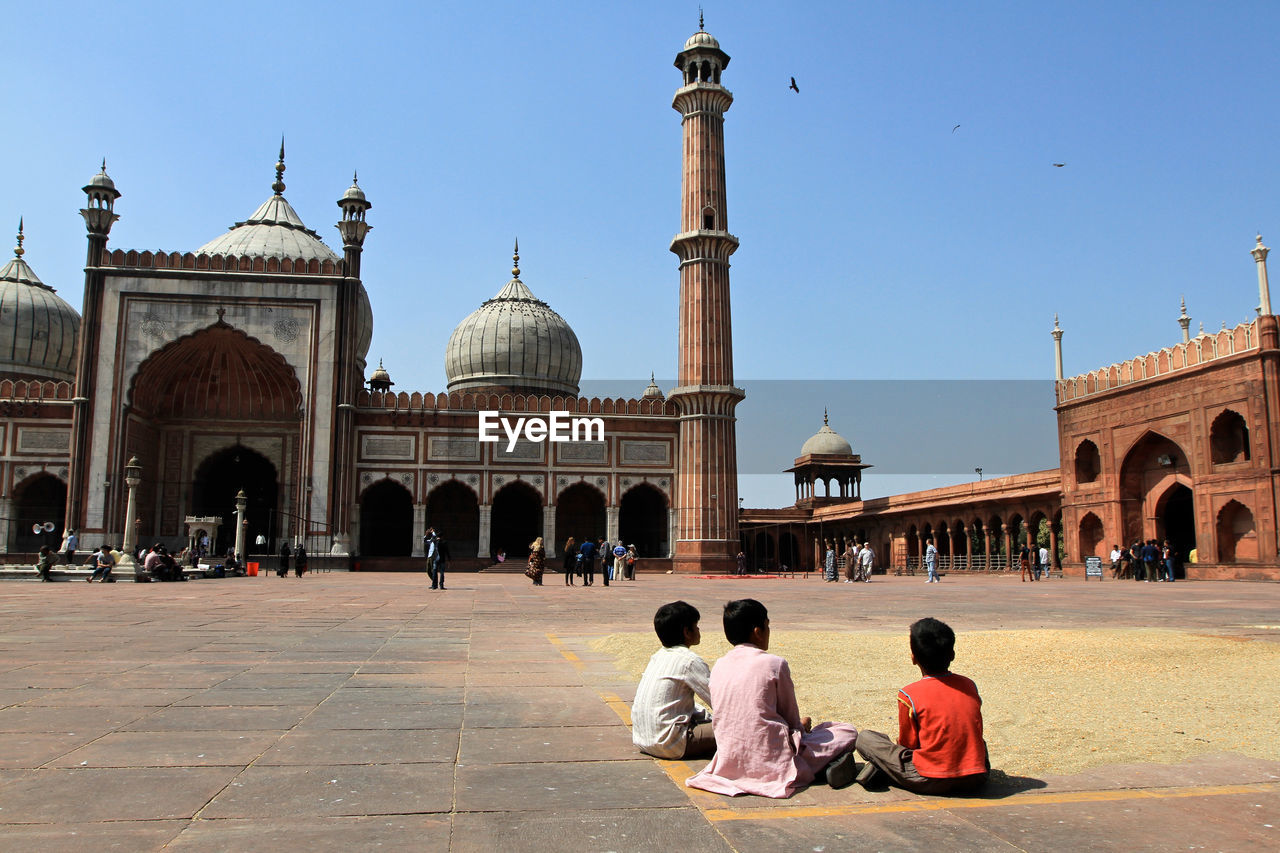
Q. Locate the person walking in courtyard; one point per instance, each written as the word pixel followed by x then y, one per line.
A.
pixel 829 563
pixel 537 561
pixel 282 567
pixel 45 564
pixel 299 560
pixel 931 560
pixel 570 560
pixel 431 551
pixel 850 561
pixel 1024 562
pixel 632 559
pixel 1044 562
pixel 867 559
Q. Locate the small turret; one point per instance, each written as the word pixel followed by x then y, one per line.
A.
pixel 99 214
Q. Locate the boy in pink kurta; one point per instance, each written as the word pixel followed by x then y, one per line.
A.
pixel 763 745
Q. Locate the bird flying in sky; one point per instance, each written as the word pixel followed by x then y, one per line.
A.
pixel 1059 165
pixel 954 129
pixel 793 86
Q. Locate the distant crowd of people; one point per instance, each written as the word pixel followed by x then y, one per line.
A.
pixel 1145 561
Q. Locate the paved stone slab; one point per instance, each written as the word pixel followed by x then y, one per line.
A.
pixel 25 718
pixel 490 707
pixel 552 787
pixel 568 831
pixel 29 750
pixel 250 696
pixel 56 795
pixel 116 835
pixel 175 749
pixel 254 717
pixel 388 746
pixel 909 833
pixel 335 790
pixel 316 835
pixel 380 715
pixel 547 744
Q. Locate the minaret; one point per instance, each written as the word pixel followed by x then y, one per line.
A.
pixel 1264 289
pixel 349 377
pixel 707 478
pixel 1057 348
pixel 1185 322
pixel 99 215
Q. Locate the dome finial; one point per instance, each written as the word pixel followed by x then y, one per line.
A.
pixel 701 28
pixel 824 416
pixel 355 177
pixel 278 186
pixel 18 251
pixel 515 260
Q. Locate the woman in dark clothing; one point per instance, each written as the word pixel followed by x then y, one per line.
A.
pixel 570 560
pixel 300 560
pixel 282 568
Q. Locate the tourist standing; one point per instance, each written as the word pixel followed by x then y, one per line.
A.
pixel 742 563
pixel 282 567
pixel 605 551
pixel 69 544
pixel 867 559
pixel 587 561
pixel 1044 561
pixel 1169 556
pixel 537 561
pixel 442 560
pixel 570 559
pixel 299 560
pixel 829 563
pixel 850 561
pixel 431 552
pixel 632 559
pixel 1024 561
pixel 619 560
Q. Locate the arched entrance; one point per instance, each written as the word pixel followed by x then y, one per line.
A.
pixel 454 512
pixel 580 514
pixel 213 387
pixel 1176 521
pixel 220 477
pixel 1148 467
pixel 386 520
pixel 642 521
pixel 516 519
pixel 1091 536
pixel 40 499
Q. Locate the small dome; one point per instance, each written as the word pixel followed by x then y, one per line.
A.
pixel 101 180
pixel 354 193
pixel 38 329
pixel 653 391
pixel 380 374
pixel 826 442
pixel 515 341
pixel 701 38
pixel 273 231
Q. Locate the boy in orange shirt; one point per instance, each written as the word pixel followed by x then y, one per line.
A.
pixel 940 749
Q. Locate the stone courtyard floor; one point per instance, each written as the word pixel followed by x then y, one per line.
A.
pixel 354 712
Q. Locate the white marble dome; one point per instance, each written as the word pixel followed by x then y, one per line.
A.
pixel 273 231
pixel 38 329
pixel 826 442
pixel 514 341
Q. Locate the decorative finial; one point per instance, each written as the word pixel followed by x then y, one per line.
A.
pixel 1224 325
pixel 355 180
pixel 824 416
pixel 220 312
pixel 701 28
pixel 18 251
pixel 104 167
pixel 515 260
pixel 1184 306
pixel 653 378
pixel 278 186
pixel 1202 327
pixel 1055 319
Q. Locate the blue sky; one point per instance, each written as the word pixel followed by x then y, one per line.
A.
pixel 877 244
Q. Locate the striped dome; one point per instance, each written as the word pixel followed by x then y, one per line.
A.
pixel 38 329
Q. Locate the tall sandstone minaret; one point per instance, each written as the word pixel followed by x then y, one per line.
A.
pixel 707 479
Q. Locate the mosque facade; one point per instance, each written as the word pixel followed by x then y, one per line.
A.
pixel 240 368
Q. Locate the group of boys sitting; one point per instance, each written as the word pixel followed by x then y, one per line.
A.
pixel 761 745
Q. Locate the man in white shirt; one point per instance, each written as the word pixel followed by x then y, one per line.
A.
pixel 1044 561
pixel 868 560
pixel 665 723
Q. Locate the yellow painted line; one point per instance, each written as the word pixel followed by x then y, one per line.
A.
pixel 929 805
pixel 619 705
pixel 564 650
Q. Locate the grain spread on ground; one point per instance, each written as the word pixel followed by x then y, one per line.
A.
pixel 1054 702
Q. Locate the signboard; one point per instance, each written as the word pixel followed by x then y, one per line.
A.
pixel 1093 568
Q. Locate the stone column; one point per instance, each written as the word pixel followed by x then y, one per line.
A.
pixel 1053 546
pixel 549 531
pixel 610 523
pixel 242 502
pixel 486 519
pixel 6 523
pixel 1008 546
pixel 968 546
pixel 419 529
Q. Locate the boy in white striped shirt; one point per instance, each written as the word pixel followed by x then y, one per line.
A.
pixel 665 723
